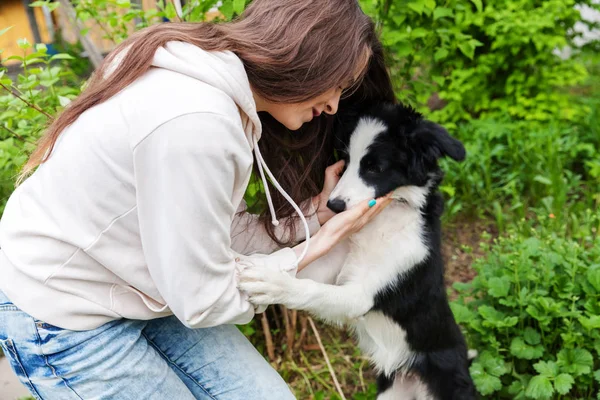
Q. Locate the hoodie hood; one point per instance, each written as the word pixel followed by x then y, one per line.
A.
pixel 225 71
pixel 220 69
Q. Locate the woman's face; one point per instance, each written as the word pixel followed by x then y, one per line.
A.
pixel 293 116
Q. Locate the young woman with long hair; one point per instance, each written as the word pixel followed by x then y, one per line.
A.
pixel 128 228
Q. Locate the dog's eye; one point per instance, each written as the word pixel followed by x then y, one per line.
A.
pixel 371 165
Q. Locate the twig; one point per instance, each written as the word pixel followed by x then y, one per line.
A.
pixel 27 102
pixel 360 376
pixel 303 324
pixel 21 138
pixel 294 320
pixel 331 371
pixel 289 331
pixel 268 338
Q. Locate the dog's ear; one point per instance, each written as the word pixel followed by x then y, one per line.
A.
pixel 435 142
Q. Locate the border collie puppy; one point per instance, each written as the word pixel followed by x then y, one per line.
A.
pixel 390 288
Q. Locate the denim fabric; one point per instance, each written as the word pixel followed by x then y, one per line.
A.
pixel 127 359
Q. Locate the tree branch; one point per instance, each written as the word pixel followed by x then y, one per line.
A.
pixel 27 102
pixel 15 134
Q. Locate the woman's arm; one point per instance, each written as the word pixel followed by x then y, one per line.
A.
pixel 249 236
pixel 185 174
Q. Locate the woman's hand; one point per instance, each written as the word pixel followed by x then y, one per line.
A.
pixel 332 177
pixel 339 227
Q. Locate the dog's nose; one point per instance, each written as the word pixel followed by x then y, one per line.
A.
pixel 336 205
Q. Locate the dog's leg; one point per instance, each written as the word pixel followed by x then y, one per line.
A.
pixel 333 303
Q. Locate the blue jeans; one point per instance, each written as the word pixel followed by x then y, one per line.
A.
pixel 126 359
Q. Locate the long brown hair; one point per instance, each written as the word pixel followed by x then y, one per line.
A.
pixel 292 50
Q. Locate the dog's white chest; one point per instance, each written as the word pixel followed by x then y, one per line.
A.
pixel 383 341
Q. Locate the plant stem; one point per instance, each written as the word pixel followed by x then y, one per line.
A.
pixel 331 371
pixel 26 102
pixel 15 134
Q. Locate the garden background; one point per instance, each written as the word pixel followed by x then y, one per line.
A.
pixel 518 81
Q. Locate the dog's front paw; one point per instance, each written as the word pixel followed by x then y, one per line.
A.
pixel 265 286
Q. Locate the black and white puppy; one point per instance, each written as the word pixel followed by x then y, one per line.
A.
pixel 390 287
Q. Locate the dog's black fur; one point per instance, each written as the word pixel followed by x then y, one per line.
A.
pixel 407 154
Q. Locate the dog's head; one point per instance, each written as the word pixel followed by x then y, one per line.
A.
pixel 389 148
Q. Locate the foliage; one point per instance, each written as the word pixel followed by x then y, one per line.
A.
pixel 483 58
pixel 533 312
pixel 42 88
pixel 530 121
pixel 514 167
pixel 47 82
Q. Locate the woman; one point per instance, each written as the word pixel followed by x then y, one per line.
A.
pixel 132 227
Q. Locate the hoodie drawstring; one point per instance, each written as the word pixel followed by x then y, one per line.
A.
pixel 263 165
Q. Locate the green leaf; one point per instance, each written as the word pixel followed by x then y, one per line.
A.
pixel 170 11
pixel 462 314
pixel 532 336
pixel 516 387
pixel 539 387
pixel 403 49
pixel 467 49
pixel 64 101
pixel 478 4
pixel 548 369
pixel 486 384
pixel 597 375
pixel 590 323
pixel 227 8
pixel 492 364
pixel 520 349
pixel 3 31
pixel 440 54
pixel 593 277
pixel 563 383
pixel 575 361
pixel 238 6
pixel 418 33
pixel 499 287
pixel 430 4
pixel 441 12
pixel 61 56
pixel 418 6
pixel 23 44
pixel 543 180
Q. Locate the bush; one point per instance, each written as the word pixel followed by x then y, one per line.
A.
pixel 514 166
pixel 44 86
pixel 533 313
pixel 483 58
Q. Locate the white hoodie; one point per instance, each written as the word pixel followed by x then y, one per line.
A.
pixel 133 214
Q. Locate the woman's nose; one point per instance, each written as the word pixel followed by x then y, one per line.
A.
pixel 331 106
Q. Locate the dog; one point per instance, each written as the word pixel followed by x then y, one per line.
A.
pixel 390 287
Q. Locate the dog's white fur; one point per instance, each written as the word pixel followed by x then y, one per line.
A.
pixel 350 187
pixel 379 254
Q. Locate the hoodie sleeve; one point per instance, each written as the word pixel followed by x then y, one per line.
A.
pixel 249 236
pixel 186 174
